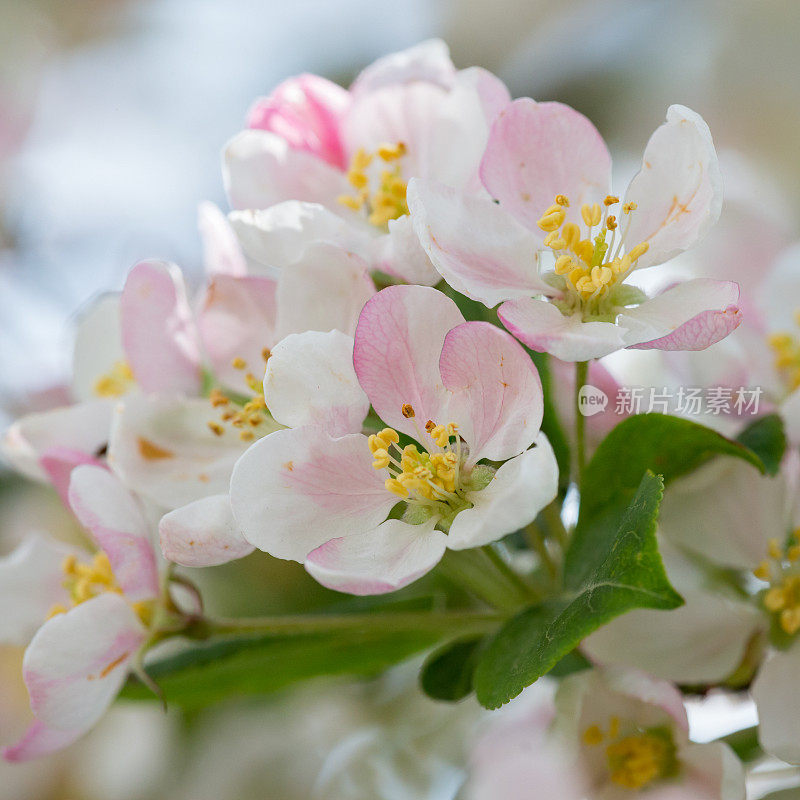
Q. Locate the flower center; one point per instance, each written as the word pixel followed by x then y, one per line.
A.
pixel 116 382
pixel 786 350
pixel 85 580
pixel 780 569
pixel 589 265
pixel 248 415
pixel 430 483
pixel 380 192
pixel 638 759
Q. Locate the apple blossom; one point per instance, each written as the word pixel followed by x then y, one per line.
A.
pixel 464 392
pixel 95 612
pixel 558 248
pixel 348 155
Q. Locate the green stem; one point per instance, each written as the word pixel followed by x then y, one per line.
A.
pixel 502 566
pixel 536 538
pixel 581 374
pixel 555 525
pixel 478 571
pixel 433 621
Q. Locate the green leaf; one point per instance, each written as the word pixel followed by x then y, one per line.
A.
pixel 668 446
pixel 551 425
pixel 209 673
pixel 447 673
pixel 744 743
pixel 766 438
pixel 627 574
pixel 783 794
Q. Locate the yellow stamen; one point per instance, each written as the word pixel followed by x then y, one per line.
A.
pixel 116 382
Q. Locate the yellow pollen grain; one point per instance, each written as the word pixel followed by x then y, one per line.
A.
pixel 238 363
pixel 408 411
pixel 593 736
pixel 636 761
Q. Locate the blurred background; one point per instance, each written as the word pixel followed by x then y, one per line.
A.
pixel 113 114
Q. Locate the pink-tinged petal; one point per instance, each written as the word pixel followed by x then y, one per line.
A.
pixel 236 319
pixel 397 345
pixel 306 111
pixel 296 489
pixel 222 253
pixel 31 583
pixel 778 703
pixel 520 489
pixel 163 449
pixel 40 740
pixel 278 236
pixel 82 428
pixel 98 346
pixel 58 463
pixel 310 380
pixel 678 190
pixel 711 771
pixel 690 316
pixel 492 92
pixel 261 169
pixel 478 248
pixel 497 395
pixel 116 521
pixel 378 561
pixel 699 512
pixel 76 664
pixel 202 534
pixel 703 641
pixel 428 62
pixel 400 254
pixel 158 331
pixel 539 150
pixel 542 327
pixel 325 289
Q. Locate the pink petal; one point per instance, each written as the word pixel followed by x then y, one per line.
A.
pixel 31 583
pixel 295 489
pixel 260 169
pixel 428 62
pixel 539 150
pixel 690 316
pixel 116 521
pixel 497 395
pixel 542 327
pixel 158 331
pixel 478 248
pixel 236 319
pixel 306 111
pixel 378 561
pixel 202 534
pixel 493 93
pixel 38 741
pixel 222 254
pixel 82 428
pixel 520 489
pixel 397 345
pixel 678 190
pixel 78 662
pixel 325 289
pixel 310 380
pixel 58 463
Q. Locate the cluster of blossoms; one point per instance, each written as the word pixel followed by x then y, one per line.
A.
pixel 341 392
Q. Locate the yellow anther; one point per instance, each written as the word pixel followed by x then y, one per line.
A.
pixel 793 553
pixel 571 234
pixel 408 411
pixel 610 200
pixel 611 222
pixel 552 221
pixel 774 599
pixel 116 382
pixel 266 354
pixel 790 620
pixel 638 760
pixel 238 363
pixel 585 251
pixel 389 436
pixel 576 276
pixel 394 486
pixel 357 178
pixel 381 459
pixel 763 571
pixel 639 250
pixel 387 200
pixel 69 565
pixel 216 428
pixel 562 200
pixel 591 214
pixel 391 152
pixel 593 736
pixel 774 549
pixel 555 241
pixel 613 727
pixel 353 203
pixel 563 265
pixel 628 207
pixel 216 398
pixel 247 436
pixel 361 159
pixel 56 610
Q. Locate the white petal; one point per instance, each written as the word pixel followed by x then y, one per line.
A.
pixel 701 642
pixel 542 327
pixel 31 583
pixel 163 448
pixel 378 561
pixel 38 741
pixel 202 534
pixel 222 253
pixel 400 253
pixel 520 489
pixel 260 170
pixel 310 380
pixel 78 661
pixel 296 489
pixel 427 61
pixel 778 703
pixel 713 772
